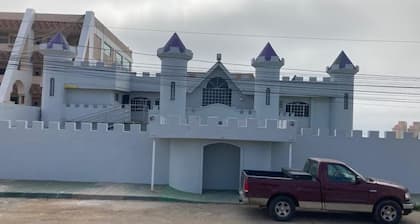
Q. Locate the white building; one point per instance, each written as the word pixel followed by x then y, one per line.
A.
pixel 198 129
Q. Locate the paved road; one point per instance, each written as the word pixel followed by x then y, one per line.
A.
pixel 37 211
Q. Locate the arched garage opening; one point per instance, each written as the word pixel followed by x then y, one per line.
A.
pixel 221 167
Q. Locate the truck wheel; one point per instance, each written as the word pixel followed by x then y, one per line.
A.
pixel 387 212
pixel 281 208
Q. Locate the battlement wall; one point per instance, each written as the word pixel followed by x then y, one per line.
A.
pixel 69 152
pixel 357 134
pixel 385 157
pixel 216 128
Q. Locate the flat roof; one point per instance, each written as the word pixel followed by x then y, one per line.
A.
pixel 66 18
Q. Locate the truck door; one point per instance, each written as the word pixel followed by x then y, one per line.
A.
pixel 342 191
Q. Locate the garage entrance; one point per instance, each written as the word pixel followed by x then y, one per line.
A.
pixel 221 167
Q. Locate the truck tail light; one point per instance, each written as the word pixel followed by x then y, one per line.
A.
pixel 246 186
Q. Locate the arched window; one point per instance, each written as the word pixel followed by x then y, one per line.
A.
pixel 298 109
pixel 217 91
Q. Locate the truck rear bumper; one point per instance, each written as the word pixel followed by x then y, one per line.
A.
pixel 242 198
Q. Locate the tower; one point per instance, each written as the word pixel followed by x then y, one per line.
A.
pixel 58 57
pixel 342 72
pixel 173 77
pixel 267 72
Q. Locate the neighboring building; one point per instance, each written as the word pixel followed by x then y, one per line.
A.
pixel 21 63
pixel 402 129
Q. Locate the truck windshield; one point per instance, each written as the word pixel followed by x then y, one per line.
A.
pixel 311 167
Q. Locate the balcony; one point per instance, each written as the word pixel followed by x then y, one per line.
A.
pixel 222 129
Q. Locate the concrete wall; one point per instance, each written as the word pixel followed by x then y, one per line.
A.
pixel 19 112
pixel 215 128
pixel 86 154
pixel 385 158
pixel 97 113
pixel 186 165
pixel 77 155
pixel 89 96
pixel 320 112
pixel 222 111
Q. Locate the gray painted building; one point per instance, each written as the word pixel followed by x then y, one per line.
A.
pixel 192 130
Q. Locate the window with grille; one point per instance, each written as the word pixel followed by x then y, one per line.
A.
pixel 139 104
pixel 298 109
pixel 217 91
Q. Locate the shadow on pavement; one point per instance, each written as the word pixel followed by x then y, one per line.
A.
pixel 320 217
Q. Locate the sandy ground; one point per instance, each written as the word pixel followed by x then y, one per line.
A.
pixel 92 211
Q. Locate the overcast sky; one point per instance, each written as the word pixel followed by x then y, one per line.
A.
pixel 337 19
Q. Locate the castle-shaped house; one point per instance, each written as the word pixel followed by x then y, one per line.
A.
pixel 192 130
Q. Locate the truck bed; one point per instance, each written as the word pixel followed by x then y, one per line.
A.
pixel 285 173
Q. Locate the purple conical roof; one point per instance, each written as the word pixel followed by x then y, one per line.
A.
pixel 267 52
pixel 58 38
pixel 342 60
pixel 174 41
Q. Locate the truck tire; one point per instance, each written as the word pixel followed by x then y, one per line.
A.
pixel 387 212
pixel 281 208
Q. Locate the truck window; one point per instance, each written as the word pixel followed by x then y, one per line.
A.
pixel 340 174
pixel 311 167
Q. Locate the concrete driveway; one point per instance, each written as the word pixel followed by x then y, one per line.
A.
pixel 65 211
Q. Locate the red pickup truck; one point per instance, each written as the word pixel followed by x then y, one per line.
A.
pixel 324 185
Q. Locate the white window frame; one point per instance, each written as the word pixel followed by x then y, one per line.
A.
pixel 107 49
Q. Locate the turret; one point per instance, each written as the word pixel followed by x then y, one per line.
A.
pixel 342 69
pixel 342 72
pixel 267 72
pixel 174 58
pixel 58 56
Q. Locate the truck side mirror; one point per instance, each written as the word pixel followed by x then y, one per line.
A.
pixel 358 180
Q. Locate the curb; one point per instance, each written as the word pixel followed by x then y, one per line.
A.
pixel 100 197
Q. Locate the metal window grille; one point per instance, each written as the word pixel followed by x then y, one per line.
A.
pixel 217 91
pixel 298 109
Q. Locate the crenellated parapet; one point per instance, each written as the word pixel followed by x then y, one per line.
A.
pixel 356 134
pixel 305 79
pixel 61 127
pixel 312 86
pixel 229 129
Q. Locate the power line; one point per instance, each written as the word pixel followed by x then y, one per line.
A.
pixel 249 35
pixel 248 65
pixel 253 82
pixel 60 69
